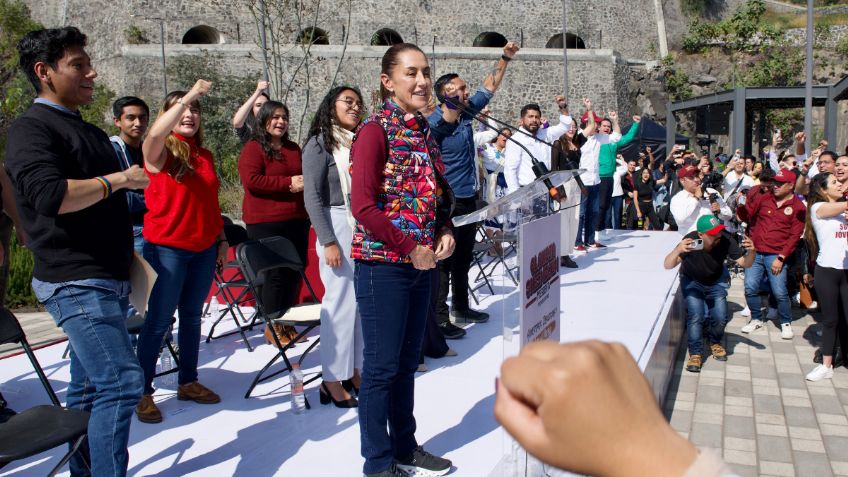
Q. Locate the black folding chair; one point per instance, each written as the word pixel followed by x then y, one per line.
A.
pixel 226 290
pixel 39 428
pixel 256 258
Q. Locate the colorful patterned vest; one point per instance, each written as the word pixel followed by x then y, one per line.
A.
pixel 411 190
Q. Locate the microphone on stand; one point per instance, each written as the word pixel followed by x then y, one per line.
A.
pixel 539 168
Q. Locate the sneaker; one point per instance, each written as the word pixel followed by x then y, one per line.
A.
pixel 813 305
pixel 752 326
pixel 450 353
pixel 772 314
pixel 694 363
pixel 820 372
pixel 567 262
pixel 786 331
pixel 597 246
pixel 746 312
pixel 451 331
pixel 198 393
pixel 580 248
pixel 393 471
pixel 423 463
pixel 146 410
pixel 796 299
pixel 718 352
pixel 470 316
pixel 422 368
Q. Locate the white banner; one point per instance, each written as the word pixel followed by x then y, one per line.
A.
pixel 540 244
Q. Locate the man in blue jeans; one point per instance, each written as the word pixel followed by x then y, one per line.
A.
pixel 704 280
pixel 68 189
pixel 775 216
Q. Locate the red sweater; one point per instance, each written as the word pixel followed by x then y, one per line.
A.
pixel 184 214
pixel 773 229
pixel 266 182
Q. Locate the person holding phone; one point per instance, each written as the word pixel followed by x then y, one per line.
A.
pixel 705 280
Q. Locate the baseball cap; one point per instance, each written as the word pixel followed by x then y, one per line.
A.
pixel 786 176
pixel 709 224
pixel 687 171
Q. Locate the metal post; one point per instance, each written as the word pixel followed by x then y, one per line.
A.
pixel 670 129
pixel 264 40
pixel 808 91
pixel 162 45
pixel 564 48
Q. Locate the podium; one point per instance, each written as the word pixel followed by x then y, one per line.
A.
pixel 543 227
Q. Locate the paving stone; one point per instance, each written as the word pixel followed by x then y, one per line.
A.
pixel 744 470
pixel 826 404
pixel 796 401
pixel 812 464
pixel 705 434
pixel 738 401
pixel 740 426
pixel 774 448
pixel 836 446
pixel 782 469
pixel 738 411
pixel 681 421
pixel 771 430
pixel 764 418
pixel 805 445
pixel 834 430
pixel 684 405
pixel 800 416
pixel 839 467
pixel 743 458
pixel 740 444
pixel 825 418
pixel 805 433
pixel 790 392
pixel 792 378
pixel 768 404
pixel 710 394
pixel 738 388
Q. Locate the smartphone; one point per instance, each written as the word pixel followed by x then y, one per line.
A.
pixel 697 244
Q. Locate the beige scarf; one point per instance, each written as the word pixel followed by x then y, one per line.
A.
pixel 341 154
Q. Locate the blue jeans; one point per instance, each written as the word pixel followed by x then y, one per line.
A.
pixel 614 215
pixel 393 302
pixel 590 206
pixel 106 379
pixel 754 276
pixel 701 298
pixel 183 282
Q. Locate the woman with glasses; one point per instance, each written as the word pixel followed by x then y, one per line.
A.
pixel 270 171
pixel 326 178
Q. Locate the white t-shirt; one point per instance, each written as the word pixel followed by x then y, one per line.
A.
pixel 832 235
pixel 732 178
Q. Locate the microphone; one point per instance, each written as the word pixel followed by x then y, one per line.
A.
pixel 539 168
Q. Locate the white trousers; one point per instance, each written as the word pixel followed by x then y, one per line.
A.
pixel 341 331
pixel 570 212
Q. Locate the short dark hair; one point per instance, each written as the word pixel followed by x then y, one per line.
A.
pixel 832 154
pixel 530 107
pixel 47 46
pixel 439 85
pixel 121 103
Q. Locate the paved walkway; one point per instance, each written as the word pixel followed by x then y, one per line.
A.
pixel 758 409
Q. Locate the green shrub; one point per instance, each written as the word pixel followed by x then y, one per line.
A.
pixel 18 289
pixel 135 36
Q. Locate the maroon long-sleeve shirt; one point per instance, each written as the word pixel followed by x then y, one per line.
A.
pixel 774 229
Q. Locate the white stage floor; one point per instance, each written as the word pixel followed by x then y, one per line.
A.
pixel 615 295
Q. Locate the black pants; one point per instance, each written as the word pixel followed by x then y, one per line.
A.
pixel 434 344
pixel 832 288
pixel 453 272
pixel 648 213
pixel 282 286
pixel 605 197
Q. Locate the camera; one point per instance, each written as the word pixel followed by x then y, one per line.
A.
pixel 713 180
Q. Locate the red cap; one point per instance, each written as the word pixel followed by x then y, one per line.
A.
pixel 786 176
pixel 687 171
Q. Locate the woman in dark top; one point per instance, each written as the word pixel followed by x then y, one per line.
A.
pixel 271 173
pixel 244 121
pixel 643 200
pixel 326 193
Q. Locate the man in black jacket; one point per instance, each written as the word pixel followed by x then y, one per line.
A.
pixel 70 197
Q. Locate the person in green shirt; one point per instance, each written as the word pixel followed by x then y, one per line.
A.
pixel 606 166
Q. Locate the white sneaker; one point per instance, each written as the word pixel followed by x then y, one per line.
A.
pixel 820 372
pixel 746 312
pixel 772 314
pixel 752 325
pixel 813 305
pixel 786 331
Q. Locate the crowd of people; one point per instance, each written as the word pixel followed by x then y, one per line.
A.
pixel 380 191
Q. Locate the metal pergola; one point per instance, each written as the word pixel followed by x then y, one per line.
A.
pixel 748 100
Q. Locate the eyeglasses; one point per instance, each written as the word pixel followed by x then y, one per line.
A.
pixel 351 104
